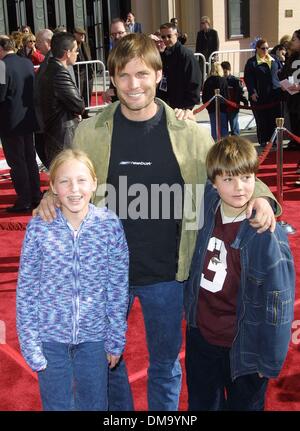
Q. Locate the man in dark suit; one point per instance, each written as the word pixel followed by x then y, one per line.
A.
pixel 133 27
pixel 207 40
pixel 17 125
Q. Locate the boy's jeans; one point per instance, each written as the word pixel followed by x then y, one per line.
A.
pixel 75 377
pixel 208 374
pixel 162 306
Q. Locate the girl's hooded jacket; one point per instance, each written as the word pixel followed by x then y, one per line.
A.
pixel 72 286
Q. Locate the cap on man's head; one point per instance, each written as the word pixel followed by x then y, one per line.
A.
pixel 79 30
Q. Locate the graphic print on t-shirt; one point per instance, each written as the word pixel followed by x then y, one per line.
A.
pixel 217 264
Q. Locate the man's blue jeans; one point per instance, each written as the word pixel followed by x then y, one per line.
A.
pixel 233 118
pixel 162 307
pixel 75 377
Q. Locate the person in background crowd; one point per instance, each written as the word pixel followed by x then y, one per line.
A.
pixel 62 29
pixel 180 84
pixel 139 139
pixel 291 71
pixel 59 29
pixel 279 53
pixel 118 29
pixel 182 37
pixel 17 37
pixel 133 26
pixel 17 124
pixel 285 41
pixel 72 293
pixel 59 99
pixel 86 74
pixel 238 330
pixel 207 41
pixel 261 79
pixel 30 51
pixel 207 38
pixel 25 29
pixel 235 94
pixel 215 81
pixel 43 43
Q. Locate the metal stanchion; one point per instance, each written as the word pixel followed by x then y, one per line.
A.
pixel 279 155
pixel 218 114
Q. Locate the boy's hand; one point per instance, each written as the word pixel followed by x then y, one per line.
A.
pixel 46 208
pixel 112 360
pixel 264 218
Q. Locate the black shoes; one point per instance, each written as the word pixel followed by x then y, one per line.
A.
pixel 19 209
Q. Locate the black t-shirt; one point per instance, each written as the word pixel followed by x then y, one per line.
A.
pixel 142 155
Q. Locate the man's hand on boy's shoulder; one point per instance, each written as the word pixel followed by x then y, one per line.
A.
pixel 47 207
pixel 264 215
pixel 184 114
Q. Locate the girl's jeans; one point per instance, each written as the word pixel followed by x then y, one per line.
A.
pixel 75 377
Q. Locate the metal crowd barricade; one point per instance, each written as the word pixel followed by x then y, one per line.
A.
pixel 236 57
pixel 279 159
pixel 204 64
pixel 99 81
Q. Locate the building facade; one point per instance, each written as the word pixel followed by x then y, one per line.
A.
pixel 238 22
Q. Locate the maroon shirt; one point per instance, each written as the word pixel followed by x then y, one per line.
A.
pixel 220 281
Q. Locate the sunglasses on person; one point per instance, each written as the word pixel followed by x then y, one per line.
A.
pixel 265 48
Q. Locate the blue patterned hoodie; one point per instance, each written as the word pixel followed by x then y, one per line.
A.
pixel 72 287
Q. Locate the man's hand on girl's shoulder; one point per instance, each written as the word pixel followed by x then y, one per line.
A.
pixel 47 207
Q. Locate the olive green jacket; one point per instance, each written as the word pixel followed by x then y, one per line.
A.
pixel 190 143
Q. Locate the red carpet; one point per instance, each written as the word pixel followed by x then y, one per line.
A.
pixel 19 390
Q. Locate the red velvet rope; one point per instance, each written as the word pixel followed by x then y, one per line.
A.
pixel 202 107
pixel 236 106
pixel 252 107
pixel 291 135
pixel 265 153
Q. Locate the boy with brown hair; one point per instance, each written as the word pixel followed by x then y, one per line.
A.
pixel 240 294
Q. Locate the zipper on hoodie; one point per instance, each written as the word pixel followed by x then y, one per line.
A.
pixel 76 289
pixel 75 297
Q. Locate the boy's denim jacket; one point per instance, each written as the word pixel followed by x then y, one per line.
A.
pixel 72 288
pixel 265 298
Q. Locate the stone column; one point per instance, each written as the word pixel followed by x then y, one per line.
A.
pixel 3 18
pixel 39 15
pixel 60 13
pixel 79 13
